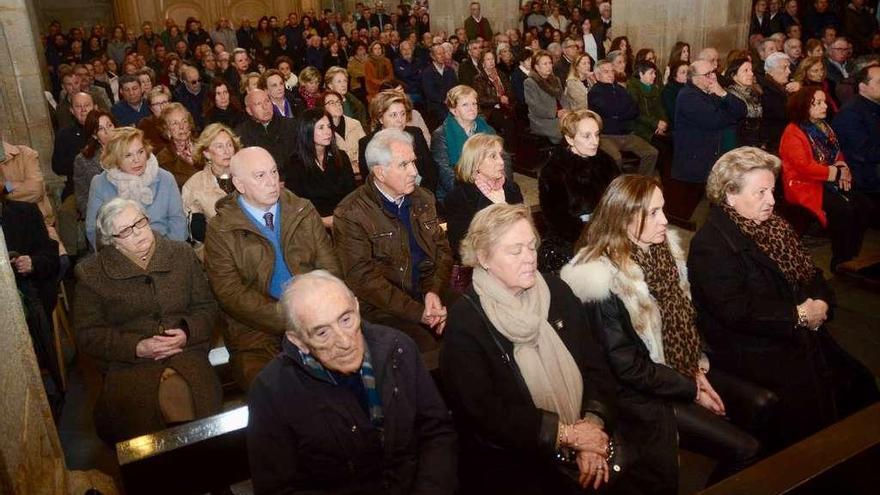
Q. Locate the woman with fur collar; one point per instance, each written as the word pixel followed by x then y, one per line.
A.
pixel 636 276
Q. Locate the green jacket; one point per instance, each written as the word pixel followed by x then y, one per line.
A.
pixel 650 108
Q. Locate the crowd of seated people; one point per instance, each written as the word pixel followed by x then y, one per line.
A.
pixel 309 192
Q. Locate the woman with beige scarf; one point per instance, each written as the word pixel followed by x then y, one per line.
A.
pixel 634 272
pixel 524 377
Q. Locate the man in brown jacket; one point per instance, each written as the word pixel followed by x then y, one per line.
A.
pixel 263 235
pixel 394 255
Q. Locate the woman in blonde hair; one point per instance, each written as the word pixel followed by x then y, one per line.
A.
pixel 131 171
pixel 633 270
pixel 480 182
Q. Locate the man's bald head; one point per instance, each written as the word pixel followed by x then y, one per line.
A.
pixel 255 176
pixel 80 106
pixel 700 74
pixel 258 106
pixel 710 55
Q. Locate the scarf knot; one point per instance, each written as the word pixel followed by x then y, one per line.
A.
pixel 136 187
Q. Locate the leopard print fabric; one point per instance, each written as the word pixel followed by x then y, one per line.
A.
pixel 780 243
pixel 681 341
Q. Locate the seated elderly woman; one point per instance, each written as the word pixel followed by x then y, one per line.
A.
pixel 153 126
pixel 543 94
pixel 762 303
pixel 336 377
pixel 319 171
pixel 447 140
pixel 390 109
pixel 481 182
pixel 177 157
pixel 578 82
pixel 571 183
pixel 495 94
pixel 285 103
pixel 348 130
pixel 87 163
pixel 815 175
pixel 635 274
pixel 309 88
pixel 213 152
pixel 336 79
pixel 132 172
pixel 525 379
pixel 151 345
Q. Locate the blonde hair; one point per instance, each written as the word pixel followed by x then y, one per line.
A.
pixel 117 146
pixel 573 69
pixel 245 83
pixel 170 109
pixel 457 93
pixel 806 64
pixel 568 125
pixel 606 235
pixel 310 75
pixel 333 72
pixel 727 174
pixel 488 225
pixel 474 152
pixel 207 137
pixel 383 101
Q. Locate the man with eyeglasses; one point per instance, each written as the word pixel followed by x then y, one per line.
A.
pixel 153 126
pixel 262 237
pixel 131 108
pixel 704 114
pixel 839 64
pixel 191 94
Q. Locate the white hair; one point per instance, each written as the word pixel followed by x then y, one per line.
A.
pixel 288 296
pixel 106 223
pixel 378 150
pixel 790 42
pixel 775 60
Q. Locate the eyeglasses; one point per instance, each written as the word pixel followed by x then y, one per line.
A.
pixel 333 102
pixel 708 74
pixel 160 103
pixel 127 231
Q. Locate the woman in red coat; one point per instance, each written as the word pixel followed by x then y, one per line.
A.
pixel 815 175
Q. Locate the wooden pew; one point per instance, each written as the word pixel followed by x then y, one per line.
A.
pixel 841 459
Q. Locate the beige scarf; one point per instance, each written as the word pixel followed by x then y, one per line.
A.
pixel 551 375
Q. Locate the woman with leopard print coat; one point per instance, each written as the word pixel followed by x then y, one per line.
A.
pixel 633 270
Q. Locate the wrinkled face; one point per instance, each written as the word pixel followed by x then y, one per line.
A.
pixel 158 103
pixel 840 51
pixel 681 74
pixel 339 83
pixel 146 83
pixel 768 49
pixel 870 89
pixel 544 66
pixel 138 237
pixel 585 141
pixel 330 329
pixel 220 152
pixel 744 75
pixel 816 73
pixel 81 105
pixel 242 62
pixel 134 160
pixel 71 84
pixel 755 199
pixel 605 73
pixel 105 125
pixel 323 134
pixel 398 178
pixel 492 166
pixel 258 181
pixel 819 106
pixel 780 73
pixel 394 117
pixel 178 126
pixel 221 96
pixel 654 229
pixel 275 87
pixel 333 105
pixel 513 258
pixel 258 106
pixel 794 49
pixel 466 110
pixel 474 50
pixel 132 93
pixel 648 77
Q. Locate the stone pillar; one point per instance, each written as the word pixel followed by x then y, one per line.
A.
pixel 449 14
pixel 722 24
pixel 24 113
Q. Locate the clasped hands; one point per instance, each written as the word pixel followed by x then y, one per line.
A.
pixel 434 314
pixel 816 311
pixel 162 346
pixel 591 445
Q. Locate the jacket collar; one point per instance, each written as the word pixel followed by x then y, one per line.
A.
pixel 737 241
pixel 116 266
pixel 233 218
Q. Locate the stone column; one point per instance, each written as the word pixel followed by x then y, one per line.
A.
pixel 24 113
pixel 722 24
pixel 449 14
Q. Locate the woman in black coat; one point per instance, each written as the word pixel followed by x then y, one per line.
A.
pixel 481 182
pixel 762 303
pixel 571 183
pixel 514 417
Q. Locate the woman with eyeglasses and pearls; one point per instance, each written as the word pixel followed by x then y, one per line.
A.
pixel 145 313
pixel 131 171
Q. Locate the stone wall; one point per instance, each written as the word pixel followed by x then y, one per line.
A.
pixel 71 13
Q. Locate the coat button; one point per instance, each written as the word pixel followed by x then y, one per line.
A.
pixel 401 268
pixel 394 392
pixel 354 428
pixel 616 468
pixel 400 350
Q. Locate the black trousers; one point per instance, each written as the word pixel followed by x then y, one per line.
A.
pixel 702 431
pixel 848 217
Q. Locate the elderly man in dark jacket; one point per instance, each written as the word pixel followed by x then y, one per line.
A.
pixel 267 129
pixel 348 406
pixel 704 112
pixel 858 129
pixel 394 254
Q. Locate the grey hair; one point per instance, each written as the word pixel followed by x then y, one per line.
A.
pixel 105 224
pixel 775 60
pixel 501 46
pixel 291 313
pixel 789 42
pixel 378 150
pixel 613 55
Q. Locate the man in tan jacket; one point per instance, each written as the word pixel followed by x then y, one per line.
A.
pixel 262 237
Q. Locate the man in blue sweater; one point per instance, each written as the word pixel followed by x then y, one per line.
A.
pixel 619 112
pixel 131 108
